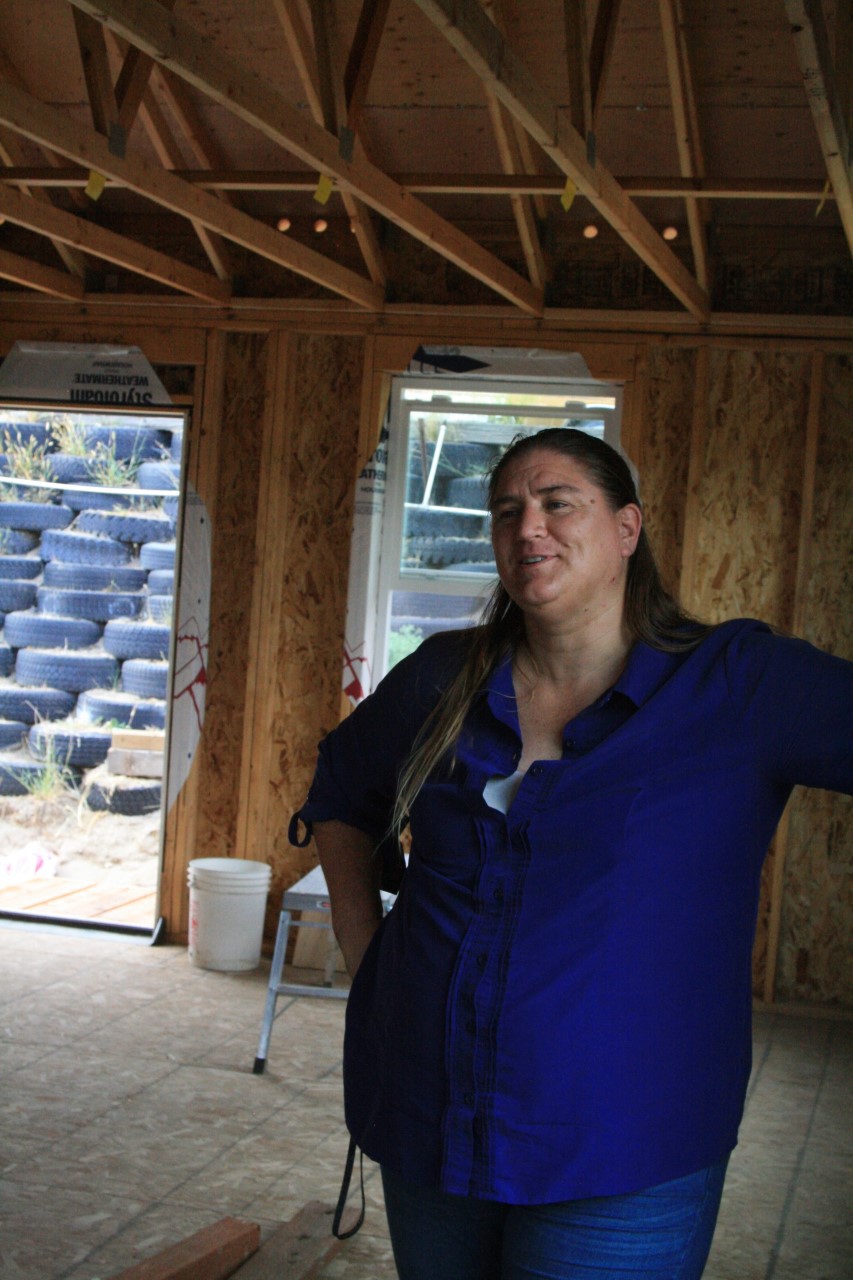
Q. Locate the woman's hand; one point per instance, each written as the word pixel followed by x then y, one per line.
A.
pixel 351 869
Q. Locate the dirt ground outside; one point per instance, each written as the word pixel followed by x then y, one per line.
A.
pixel 60 836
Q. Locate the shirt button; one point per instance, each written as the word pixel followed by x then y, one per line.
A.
pixel 481 960
pixel 498 895
pixel 535 770
pixel 468 1099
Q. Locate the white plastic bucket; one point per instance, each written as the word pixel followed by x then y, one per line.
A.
pixel 228 898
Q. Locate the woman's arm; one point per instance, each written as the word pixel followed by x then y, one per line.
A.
pixel 352 878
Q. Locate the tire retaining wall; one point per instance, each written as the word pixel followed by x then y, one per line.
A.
pixel 86 582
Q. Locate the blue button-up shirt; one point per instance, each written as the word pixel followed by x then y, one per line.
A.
pixel 558 1005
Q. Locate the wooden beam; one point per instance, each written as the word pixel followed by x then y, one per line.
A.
pixel 577 65
pixel 302 51
pixel 504 129
pixel 329 112
pixel 203 147
pixel 67 227
pixel 362 57
pixel 52 128
pixel 687 136
pixel 469 30
pixel 96 72
pixel 168 152
pixel 214 1253
pixel 808 29
pixel 299 1249
pixel 131 85
pixel 179 47
pixel 308 69
pixel 133 80
pixel 274 513
pixel 12 153
pixel 35 275
pixel 206 151
pixel 10 149
pixel 844 66
pixel 475 184
pixel 170 156
pixel 324 53
pixel 601 45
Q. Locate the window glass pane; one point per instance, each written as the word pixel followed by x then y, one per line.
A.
pixel 418 614
pixel 445 517
pixel 436 566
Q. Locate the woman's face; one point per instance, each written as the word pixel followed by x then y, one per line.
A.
pixel 561 552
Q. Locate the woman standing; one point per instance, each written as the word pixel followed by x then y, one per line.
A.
pixel 548 1038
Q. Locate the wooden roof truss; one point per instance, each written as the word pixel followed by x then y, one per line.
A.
pixel 125 45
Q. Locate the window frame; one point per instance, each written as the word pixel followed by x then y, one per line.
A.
pixel 441 391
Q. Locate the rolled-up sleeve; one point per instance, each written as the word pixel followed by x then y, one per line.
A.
pixel 360 761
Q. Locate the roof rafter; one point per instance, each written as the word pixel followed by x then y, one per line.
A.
pixel 131 85
pixel 601 44
pixel 812 44
pixel 45 219
pixel 96 72
pixel 170 155
pixel 362 57
pixel 177 45
pixel 12 153
pixel 480 44
pixel 577 65
pixel 687 136
pixel 302 51
pixel 37 276
pixel 321 23
pixel 51 128
pixel 504 128
pixel 311 68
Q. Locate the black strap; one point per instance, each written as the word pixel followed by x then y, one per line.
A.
pixel 344 1192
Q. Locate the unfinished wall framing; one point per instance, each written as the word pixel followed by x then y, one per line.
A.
pixel 744 451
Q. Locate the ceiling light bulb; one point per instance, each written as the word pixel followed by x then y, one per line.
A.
pixel 590 231
pixel 283 224
pixel 320 224
pixel 670 233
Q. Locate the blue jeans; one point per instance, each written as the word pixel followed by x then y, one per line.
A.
pixel 663 1233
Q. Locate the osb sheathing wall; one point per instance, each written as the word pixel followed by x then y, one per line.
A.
pixel 285 446
pixel 744 452
pixel 721 438
pixel 768 433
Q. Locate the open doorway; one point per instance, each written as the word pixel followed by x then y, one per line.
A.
pixel 90 503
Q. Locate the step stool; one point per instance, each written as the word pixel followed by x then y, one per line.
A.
pixel 308 894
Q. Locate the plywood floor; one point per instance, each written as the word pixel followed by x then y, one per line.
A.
pixel 132 1118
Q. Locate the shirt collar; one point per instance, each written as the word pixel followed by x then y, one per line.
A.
pixel 645 671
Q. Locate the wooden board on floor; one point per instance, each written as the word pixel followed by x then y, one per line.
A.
pixel 135 762
pixel 298 1250
pixel 79 900
pixel 213 1253
pixel 139 739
